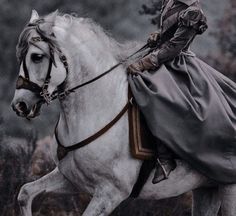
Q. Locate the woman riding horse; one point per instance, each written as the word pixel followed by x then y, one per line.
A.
pixel 188 105
pixel 56 54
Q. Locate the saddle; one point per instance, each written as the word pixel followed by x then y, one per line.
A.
pixel 142 142
pixel 143 146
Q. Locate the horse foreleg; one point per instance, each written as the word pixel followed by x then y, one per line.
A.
pixel 228 197
pixel 206 202
pixel 52 182
pixel 105 199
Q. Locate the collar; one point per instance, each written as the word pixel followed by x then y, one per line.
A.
pixel 188 2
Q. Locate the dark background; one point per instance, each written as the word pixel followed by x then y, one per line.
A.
pixel 23 147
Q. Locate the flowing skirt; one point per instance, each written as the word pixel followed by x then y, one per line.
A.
pixel 191 107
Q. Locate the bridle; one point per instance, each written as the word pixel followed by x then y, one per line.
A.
pixel 26 83
pixel 46 97
pixel 42 91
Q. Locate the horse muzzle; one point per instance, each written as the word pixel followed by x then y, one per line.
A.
pixel 24 108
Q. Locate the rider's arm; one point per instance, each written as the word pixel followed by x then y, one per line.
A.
pixel 191 22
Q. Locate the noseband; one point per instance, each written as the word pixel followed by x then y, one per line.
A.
pixel 40 91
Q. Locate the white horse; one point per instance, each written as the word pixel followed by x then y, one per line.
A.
pixel 104 168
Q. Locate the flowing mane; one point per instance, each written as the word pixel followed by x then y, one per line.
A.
pixel 89 32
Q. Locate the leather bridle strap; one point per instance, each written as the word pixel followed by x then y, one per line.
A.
pixel 57 94
pixel 25 69
pixel 62 151
pixel 25 83
pixel 44 92
pixel 48 75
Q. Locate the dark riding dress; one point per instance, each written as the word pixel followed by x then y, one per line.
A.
pixel 187 104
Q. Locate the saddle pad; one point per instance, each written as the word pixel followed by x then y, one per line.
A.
pixel 141 140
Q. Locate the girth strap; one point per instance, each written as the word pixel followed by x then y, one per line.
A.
pixel 62 151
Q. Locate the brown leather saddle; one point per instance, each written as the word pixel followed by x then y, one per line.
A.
pixel 143 146
pixel 142 142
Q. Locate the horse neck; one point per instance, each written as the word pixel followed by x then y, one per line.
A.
pixel 92 107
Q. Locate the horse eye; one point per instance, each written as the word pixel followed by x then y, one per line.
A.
pixel 37 58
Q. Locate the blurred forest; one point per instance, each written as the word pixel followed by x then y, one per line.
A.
pixel 25 145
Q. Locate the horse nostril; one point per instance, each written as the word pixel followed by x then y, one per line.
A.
pixel 22 107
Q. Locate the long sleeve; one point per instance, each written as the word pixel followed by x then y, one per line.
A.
pixel 175 45
pixel 190 22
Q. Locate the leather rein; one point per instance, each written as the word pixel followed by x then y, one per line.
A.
pixel 62 151
pixel 46 97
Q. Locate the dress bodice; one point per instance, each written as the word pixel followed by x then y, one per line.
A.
pixel 181 13
pixel 181 21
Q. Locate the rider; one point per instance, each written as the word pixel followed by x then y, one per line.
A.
pixel 181 21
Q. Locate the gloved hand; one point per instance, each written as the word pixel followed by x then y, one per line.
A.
pixel 153 39
pixel 149 62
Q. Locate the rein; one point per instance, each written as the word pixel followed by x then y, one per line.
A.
pixel 57 94
pixel 62 151
pixel 42 91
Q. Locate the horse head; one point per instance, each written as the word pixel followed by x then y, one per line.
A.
pixel 43 66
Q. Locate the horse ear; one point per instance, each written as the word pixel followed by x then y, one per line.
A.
pixel 34 16
pixel 49 22
pixel 52 17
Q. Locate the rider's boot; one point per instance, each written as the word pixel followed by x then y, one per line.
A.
pixel 165 162
pixel 163 169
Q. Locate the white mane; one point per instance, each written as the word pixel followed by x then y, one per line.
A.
pixel 90 34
